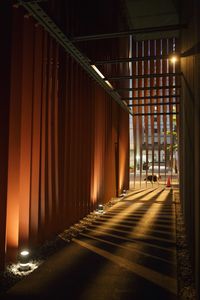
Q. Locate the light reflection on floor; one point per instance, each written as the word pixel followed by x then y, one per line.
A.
pixel 143 210
pixel 15 268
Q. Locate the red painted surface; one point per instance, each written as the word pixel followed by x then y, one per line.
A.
pixel 62 133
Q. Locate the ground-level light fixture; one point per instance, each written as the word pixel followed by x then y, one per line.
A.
pixel 100 208
pixel 123 194
pixel 24 260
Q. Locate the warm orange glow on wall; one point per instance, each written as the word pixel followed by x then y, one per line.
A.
pixel 123 153
pixel 62 156
pixel 97 164
pixel 12 221
pixel 26 134
pixel 94 190
pixel 122 169
pixel 95 178
pixel 12 212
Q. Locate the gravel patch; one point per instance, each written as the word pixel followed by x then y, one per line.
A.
pixel 186 285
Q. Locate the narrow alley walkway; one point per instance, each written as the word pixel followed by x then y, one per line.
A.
pixel 128 253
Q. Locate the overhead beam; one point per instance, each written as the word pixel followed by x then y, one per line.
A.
pixel 34 1
pixel 150 97
pixel 57 34
pixel 113 35
pixel 153 104
pixel 156 113
pixel 133 59
pixel 149 88
pixel 142 76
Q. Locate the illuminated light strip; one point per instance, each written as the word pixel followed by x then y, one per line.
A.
pixel 24 264
pixel 110 85
pixel 157 278
pixel 98 71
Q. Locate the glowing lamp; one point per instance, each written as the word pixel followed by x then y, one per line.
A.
pixel 100 208
pixel 24 260
pixel 173 59
pixel 24 253
pixel 123 194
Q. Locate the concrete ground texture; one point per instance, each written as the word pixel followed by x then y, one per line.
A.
pixel 129 252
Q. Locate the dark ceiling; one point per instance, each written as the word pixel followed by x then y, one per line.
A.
pixel 153 13
pixel 92 29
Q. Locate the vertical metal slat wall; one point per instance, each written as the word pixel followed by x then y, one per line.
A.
pixel 62 133
pixel 155 108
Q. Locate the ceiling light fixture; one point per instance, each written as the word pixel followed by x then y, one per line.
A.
pixel 109 84
pixel 97 71
pixel 173 58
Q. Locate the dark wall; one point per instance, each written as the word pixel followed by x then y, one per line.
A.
pixel 5 32
pixel 190 116
pixel 62 129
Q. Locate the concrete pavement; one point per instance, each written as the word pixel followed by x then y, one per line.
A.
pixel 128 253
